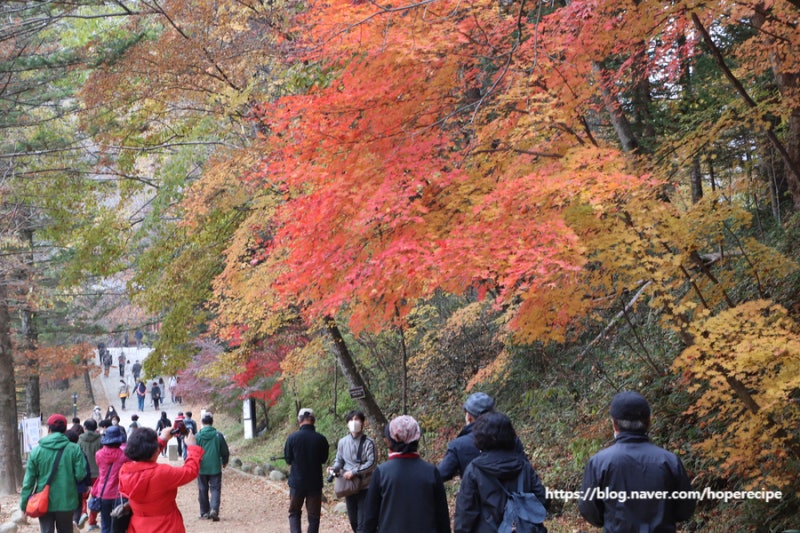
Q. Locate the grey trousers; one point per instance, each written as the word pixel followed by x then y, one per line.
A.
pixel 205 484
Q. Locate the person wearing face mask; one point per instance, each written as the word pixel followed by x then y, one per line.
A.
pixel 355 459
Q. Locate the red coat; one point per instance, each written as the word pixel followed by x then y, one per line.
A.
pixel 152 488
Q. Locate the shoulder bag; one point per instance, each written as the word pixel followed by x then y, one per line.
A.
pixel 360 481
pixel 38 503
pixel 95 502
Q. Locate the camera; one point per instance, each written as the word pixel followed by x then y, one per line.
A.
pixel 332 473
pixel 179 429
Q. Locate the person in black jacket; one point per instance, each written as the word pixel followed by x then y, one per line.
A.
pixel 481 499
pixel 406 493
pixel 162 423
pixel 306 451
pixel 633 463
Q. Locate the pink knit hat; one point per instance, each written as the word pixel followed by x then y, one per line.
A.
pixel 404 429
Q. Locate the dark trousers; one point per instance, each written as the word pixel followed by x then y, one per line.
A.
pixel 106 506
pixel 205 484
pixel 357 510
pixel 313 499
pixel 56 521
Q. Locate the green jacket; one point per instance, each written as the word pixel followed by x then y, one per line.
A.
pixel 71 469
pixel 89 441
pixel 216 451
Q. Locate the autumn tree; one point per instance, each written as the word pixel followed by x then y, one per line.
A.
pixel 421 168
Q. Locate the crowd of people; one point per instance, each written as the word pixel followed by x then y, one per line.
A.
pixel 111 475
pixel 500 490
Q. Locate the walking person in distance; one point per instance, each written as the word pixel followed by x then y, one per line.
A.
pixel 214 460
pixel 355 459
pixel 306 451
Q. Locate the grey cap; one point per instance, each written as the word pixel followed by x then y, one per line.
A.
pixel 478 403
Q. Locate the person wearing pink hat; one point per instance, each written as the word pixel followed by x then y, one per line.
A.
pixel 70 470
pixel 406 493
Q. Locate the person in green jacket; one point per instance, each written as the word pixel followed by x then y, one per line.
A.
pixel 214 460
pixel 63 489
pixel 89 442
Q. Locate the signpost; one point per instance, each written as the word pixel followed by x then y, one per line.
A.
pixel 357 393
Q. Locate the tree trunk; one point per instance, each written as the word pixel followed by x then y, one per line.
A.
pixel 788 83
pixel 28 347
pixel 87 382
pixel 30 336
pixel 10 457
pixel 353 376
pixel 697 180
pixel 620 122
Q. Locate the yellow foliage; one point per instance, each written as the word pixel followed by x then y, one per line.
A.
pixel 745 364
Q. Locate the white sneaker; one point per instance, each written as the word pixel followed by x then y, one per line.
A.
pixel 82 520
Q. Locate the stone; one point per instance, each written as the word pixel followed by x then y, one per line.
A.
pixel 260 471
pixel 236 462
pixel 340 508
pixel 277 475
pixel 18 518
pixel 246 467
pixel 8 527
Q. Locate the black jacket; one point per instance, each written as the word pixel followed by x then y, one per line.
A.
pixel 480 496
pixel 406 494
pixel 633 463
pixel 306 451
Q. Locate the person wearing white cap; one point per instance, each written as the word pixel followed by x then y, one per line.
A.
pixel 306 451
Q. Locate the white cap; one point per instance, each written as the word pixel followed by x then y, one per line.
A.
pixel 305 411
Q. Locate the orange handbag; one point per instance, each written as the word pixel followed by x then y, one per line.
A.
pixel 38 503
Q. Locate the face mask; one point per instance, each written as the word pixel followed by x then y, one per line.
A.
pixel 354 426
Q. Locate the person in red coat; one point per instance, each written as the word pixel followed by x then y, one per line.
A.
pixel 151 488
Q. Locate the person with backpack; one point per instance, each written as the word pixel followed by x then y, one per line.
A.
pixel 492 479
pixel 141 394
pixel 155 394
pixel 215 458
pixel 162 423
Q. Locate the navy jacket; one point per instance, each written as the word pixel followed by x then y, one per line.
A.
pixel 460 453
pixel 633 463
pixel 480 497
pixel 406 494
pixel 306 451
